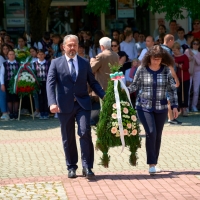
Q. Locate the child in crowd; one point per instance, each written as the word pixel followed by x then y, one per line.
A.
pixel 8 69
pixel 22 44
pixel 33 52
pixel 181 33
pixel 128 45
pixel 45 44
pixel 41 67
pixel 55 48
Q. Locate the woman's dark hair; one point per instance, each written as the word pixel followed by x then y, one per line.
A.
pixel 157 52
pixel 189 35
pixel 195 40
pixel 59 49
pixel 97 36
pixel 35 49
pixel 22 38
pixel 2 39
pixel 114 40
pixel 115 31
pixel 9 48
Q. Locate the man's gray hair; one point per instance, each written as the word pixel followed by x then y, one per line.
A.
pixel 105 42
pixel 70 37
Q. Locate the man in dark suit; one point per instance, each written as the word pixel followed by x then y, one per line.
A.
pixel 70 74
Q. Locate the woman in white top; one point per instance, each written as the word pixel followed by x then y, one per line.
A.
pixel 3 105
pixel 194 70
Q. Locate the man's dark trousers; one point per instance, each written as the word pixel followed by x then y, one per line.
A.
pixel 67 121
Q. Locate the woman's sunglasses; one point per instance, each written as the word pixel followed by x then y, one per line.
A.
pixel 113 45
pixel 195 43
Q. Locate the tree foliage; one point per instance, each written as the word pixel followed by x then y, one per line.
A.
pixel 97 6
pixel 173 8
pixel 38 12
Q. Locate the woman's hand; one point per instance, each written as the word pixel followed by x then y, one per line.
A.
pixel 190 52
pixel 175 113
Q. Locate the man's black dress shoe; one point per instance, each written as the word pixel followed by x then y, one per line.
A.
pixel 88 173
pixel 72 173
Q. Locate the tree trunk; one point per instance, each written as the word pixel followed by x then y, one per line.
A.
pixel 38 12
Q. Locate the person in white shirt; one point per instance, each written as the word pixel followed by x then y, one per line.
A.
pixel 149 44
pixel 140 45
pixel 128 46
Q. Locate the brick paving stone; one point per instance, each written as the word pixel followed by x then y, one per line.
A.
pixel 31 152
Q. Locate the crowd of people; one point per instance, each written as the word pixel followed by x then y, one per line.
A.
pixel 130 47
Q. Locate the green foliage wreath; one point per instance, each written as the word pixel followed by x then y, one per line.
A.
pixel 105 137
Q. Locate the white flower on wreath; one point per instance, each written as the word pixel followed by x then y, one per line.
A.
pixel 125 132
pixel 129 125
pixel 133 117
pixel 113 130
pixel 114 106
pixel 128 104
pixel 125 110
pixel 114 116
pixel 134 132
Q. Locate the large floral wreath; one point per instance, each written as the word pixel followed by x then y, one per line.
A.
pixel 24 81
pixel 111 133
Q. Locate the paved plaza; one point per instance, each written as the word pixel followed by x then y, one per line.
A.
pixel 32 165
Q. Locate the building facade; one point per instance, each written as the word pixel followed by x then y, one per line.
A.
pixel 69 16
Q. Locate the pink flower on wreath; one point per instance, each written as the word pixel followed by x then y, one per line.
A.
pixel 134 132
pixel 114 116
pixel 129 125
pixel 133 117
pixel 125 110
pixel 114 106
pixel 113 130
pixel 125 132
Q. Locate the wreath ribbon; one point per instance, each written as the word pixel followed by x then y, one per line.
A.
pixel 119 116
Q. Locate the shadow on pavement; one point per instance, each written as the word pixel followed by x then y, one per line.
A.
pixel 164 174
pixel 26 123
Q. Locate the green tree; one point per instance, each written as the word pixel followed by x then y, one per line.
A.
pixel 173 8
pixel 38 12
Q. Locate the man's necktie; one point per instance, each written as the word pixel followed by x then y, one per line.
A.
pixel 73 71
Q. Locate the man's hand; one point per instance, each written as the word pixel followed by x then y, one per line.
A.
pixel 3 88
pixel 54 108
pixel 175 113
